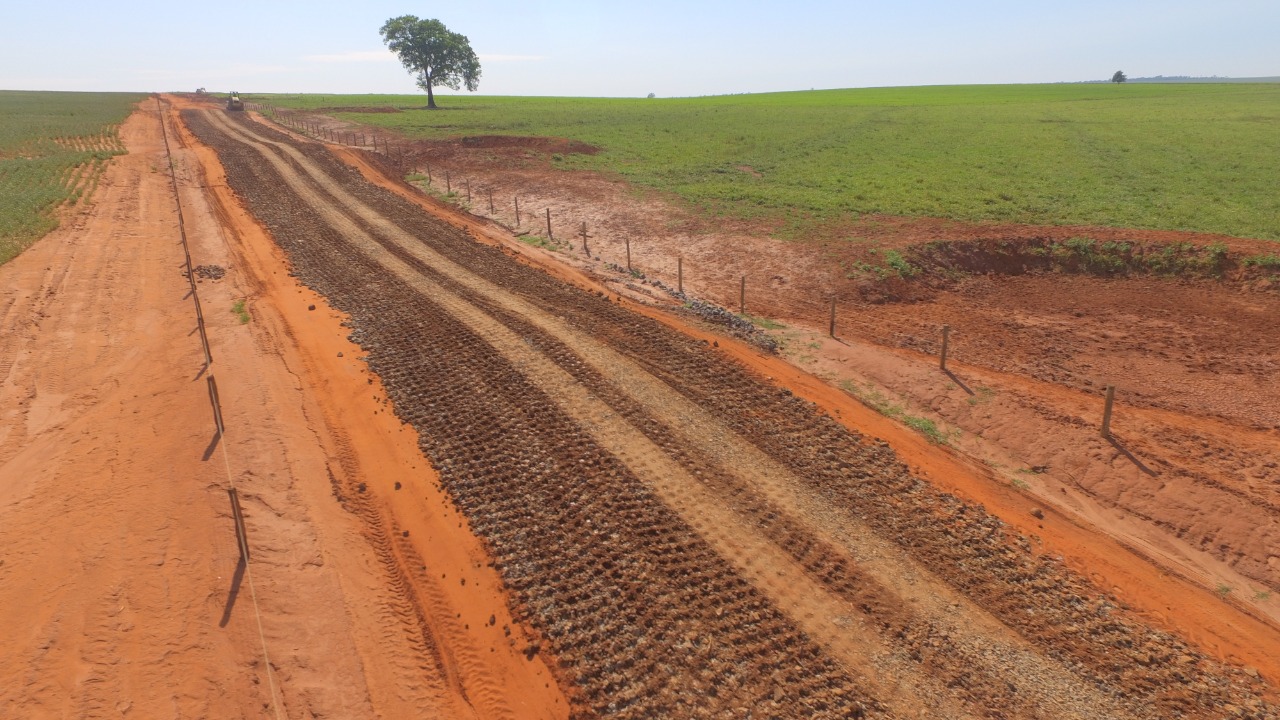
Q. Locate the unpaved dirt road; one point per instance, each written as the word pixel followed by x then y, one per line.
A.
pixel 119 583
pixel 686 538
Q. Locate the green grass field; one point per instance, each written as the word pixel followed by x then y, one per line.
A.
pixel 1200 157
pixel 53 145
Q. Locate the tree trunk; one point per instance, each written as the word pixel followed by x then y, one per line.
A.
pixel 431 98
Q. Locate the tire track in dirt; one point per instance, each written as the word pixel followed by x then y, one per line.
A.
pixel 777 496
pixel 403 609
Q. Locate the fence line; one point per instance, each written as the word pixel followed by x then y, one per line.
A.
pixel 838 314
pixel 219 425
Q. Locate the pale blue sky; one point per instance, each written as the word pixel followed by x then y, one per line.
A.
pixel 670 48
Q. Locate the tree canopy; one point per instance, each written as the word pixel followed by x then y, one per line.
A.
pixel 1119 77
pixel 434 55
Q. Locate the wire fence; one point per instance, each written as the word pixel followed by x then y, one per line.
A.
pixel 840 312
pixel 220 428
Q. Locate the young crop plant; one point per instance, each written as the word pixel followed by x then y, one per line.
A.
pixel 53 148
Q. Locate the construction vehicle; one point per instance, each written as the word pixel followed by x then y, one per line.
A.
pixel 234 102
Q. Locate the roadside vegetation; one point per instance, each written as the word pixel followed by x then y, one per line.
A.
pixel 876 400
pixel 1080 255
pixel 242 314
pixel 53 147
pixel 1199 157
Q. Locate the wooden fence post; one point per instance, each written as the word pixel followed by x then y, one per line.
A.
pixel 946 338
pixel 217 406
pixel 627 240
pixel 242 536
pixel 742 296
pixel 680 275
pixel 490 201
pixel 468 182
pixel 549 235
pixel 204 337
pixel 584 239
pixel 831 327
pixel 447 186
pixel 1106 411
pixel 517 211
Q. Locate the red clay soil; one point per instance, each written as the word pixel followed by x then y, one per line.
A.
pixel 1186 482
pixel 119 581
pixel 1078 521
pixel 430 289
pixel 462 630
pixel 1189 479
pixel 792 564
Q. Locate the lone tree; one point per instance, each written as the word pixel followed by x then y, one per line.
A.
pixel 433 54
pixel 1118 77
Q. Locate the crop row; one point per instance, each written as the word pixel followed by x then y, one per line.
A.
pixel 53 147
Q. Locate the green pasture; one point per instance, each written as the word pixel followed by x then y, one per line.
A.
pixel 53 145
pixel 1202 157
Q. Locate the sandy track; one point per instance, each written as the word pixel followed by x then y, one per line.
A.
pixel 536 461
pixel 115 565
